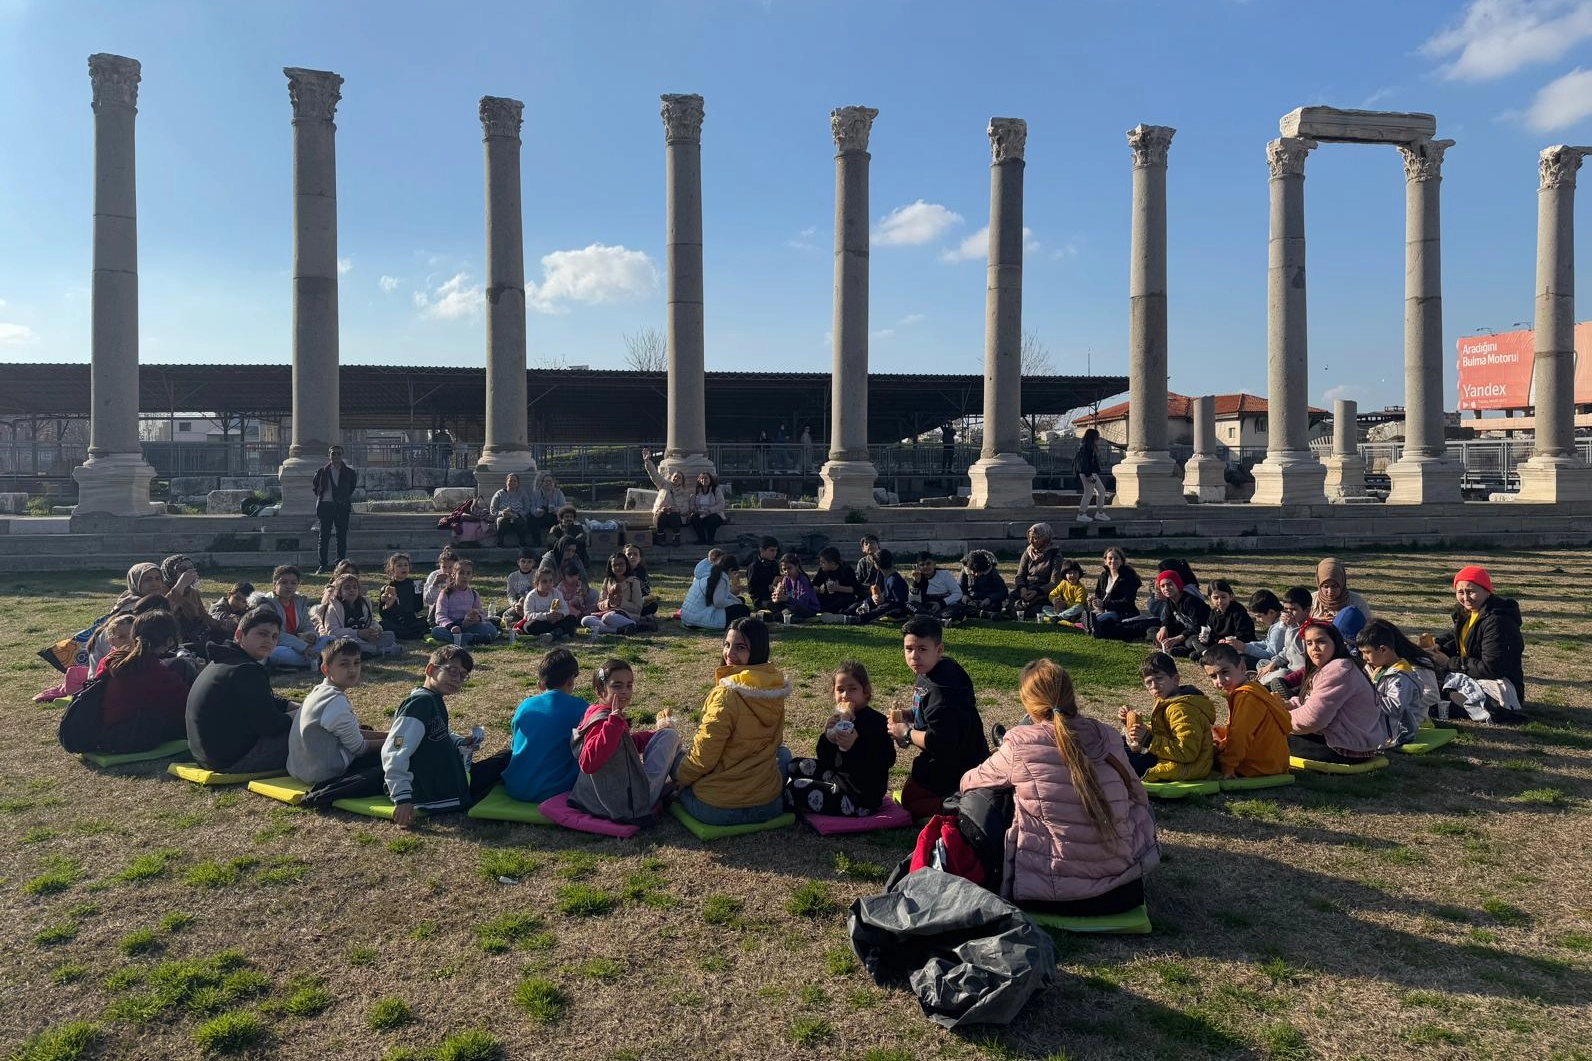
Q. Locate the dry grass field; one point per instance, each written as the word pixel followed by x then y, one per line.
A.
pixel 1438 909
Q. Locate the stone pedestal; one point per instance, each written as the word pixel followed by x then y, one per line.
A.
pixel 1204 474
pixel 686 447
pixel 848 475
pixel 1345 480
pixel 1001 476
pixel 1289 478
pixel 115 478
pixel 1554 480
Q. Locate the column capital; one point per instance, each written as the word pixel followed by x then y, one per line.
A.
pixel 1558 164
pixel 682 118
pixel 1423 159
pixel 115 79
pixel 1286 155
pixel 1008 138
pixel 851 126
pixel 1150 144
pixel 314 92
pixel 501 117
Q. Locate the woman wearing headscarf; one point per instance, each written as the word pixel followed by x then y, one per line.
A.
pixel 1038 571
pixel 1333 594
pixel 195 627
pixel 1486 642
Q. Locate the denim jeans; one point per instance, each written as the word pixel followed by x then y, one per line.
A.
pixel 479 634
pixel 294 651
pixel 708 814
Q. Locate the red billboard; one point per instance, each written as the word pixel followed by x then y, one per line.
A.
pixel 1495 370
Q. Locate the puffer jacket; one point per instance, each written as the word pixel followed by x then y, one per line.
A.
pixel 301 611
pixel 1180 736
pixel 1495 647
pixel 1341 706
pixel 1257 733
pixel 1054 853
pixel 697 610
pixel 669 495
pixel 733 759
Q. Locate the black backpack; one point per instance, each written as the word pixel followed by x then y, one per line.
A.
pixel 84 719
pixel 982 817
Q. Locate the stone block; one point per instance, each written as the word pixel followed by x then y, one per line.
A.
pixel 246 482
pixel 226 502
pixel 383 480
pixel 13 503
pixel 448 498
pixel 1332 125
pixel 186 486
pixel 427 479
pixel 639 500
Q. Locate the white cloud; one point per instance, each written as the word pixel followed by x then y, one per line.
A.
pixel 388 284
pixel 882 333
pixel 598 273
pixel 1494 38
pixel 17 335
pixel 1347 391
pixel 913 318
pixel 915 223
pixel 976 246
pixel 455 298
pixel 804 239
pixel 1066 250
pixel 1562 103
pixel 344 265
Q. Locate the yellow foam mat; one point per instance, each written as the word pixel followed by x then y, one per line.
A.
pixel 1369 766
pixel 284 789
pixel 200 776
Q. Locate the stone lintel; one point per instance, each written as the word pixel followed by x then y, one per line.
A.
pixel 1332 125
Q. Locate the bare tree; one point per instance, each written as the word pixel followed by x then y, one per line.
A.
pixel 647 350
pixel 1036 362
pixel 550 362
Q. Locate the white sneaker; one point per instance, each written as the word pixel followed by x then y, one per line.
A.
pixel 1084 517
pixel 1101 517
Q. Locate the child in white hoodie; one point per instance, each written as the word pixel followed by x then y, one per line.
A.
pixel 932 591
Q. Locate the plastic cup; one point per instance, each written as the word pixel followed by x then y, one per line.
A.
pixel 458 637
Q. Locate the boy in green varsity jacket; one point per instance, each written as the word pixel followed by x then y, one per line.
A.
pixel 424 764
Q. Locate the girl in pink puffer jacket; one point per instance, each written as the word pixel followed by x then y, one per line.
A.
pixel 1081 838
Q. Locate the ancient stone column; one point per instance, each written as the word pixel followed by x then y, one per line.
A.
pixel 1001 477
pixel 1290 474
pixel 848 475
pixel 115 478
pixel 686 448
pixel 1345 468
pixel 1555 471
pixel 314 94
pixel 505 450
pixel 1205 474
pixel 1424 473
pixel 1147 475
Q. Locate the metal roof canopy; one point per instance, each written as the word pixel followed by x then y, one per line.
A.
pixel 565 405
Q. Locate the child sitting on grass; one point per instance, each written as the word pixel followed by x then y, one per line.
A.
pixel 1254 743
pixel 984 591
pixel 851 772
pixel 761 574
pixel 572 584
pixel 229 609
pixel 836 586
pixel 521 581
pixel 1228 620
pixel 345 611
pixel 793 594
pixel 944 723
pixel 887 597
pixel 326 740
pixel 145 700
pixel 438 578
pixel 541 763
pixel 933 591
pixel 403 609
pixel 459 612
pixel 1070 599
pixel 1283 672
pixel 623 771
pixel 425 765
pixel 1336 718
pixel 619 605
pixel 1265 610
pixel 543 610
pixel 1403 673
pixel 1177 745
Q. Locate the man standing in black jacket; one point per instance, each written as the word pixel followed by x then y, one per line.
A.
pixel 334 500
pixel 945 723
pixel 235 723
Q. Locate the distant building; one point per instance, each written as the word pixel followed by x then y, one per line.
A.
pixel 1240 421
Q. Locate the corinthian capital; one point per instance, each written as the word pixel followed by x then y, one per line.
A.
pixel 314 92
pixel 682 118
pixel 1150 144
pixel 1286 155
pixel 851 126
pixel 115 79
pixel 1558 165
pixel 501 117
pixel 1423 159
pixel 1008 137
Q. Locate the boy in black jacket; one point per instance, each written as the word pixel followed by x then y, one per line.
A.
pixel 887 597
pixel 235 723
pixel 762 573
pixel 945 723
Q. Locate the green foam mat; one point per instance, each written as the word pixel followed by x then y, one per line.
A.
pixel 200 776
pixel 499 806
pixel 703 831
pixel 283 789
pixel 159 751
pixel 1135 922
pixel 1428 740
pixel 1181 789
pixel 1249 784
pixel 371 807
pixel 1369 766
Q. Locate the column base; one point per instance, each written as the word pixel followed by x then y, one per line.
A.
pixel 689 465
pixel 1554 479
pixel 846 485
pixel 1146 479
pixel 497 465
pixel 1002 481
pixel 1424 481
pixel 1345 479
pixel 115 484
pixel 1292 477
pixel 297 480
pixel 1205 480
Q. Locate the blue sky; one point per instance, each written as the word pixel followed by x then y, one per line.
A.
pixel 1504 77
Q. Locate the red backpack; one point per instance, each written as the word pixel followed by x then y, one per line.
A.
pixel 941 846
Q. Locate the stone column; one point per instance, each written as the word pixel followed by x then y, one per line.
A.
pixel 1345 468
pixel 686 448
pixel 316 426
pixel 1205 474
pixel 115 478
pixel 505 450
pixel 1001 477
pixel 848 475
pixel 1147 475
pixel 1555 471
pixel 1290 474
pixel 1424 473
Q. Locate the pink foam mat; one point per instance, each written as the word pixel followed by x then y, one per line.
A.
pixel 890 815
pixel 558 811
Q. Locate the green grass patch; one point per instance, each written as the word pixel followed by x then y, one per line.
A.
pixel 68 974
pixel 603 970
pixel 200 986
pixel 59 874
pixel 809 1031
pixel 1542 797
pixel 1283 1042
pixel 722 910
pixel 56 934
pixel 1259 810
pixel 74 1041
pixel 405 845
pixel 507 931
pixel 360 955
pixel 511 862
pixel 175 921
pixel 283 870
pixel 141 944
pixel 230 1033
pixel 812 900
pixel 577 865
pixel 541 1000
pixel 840 961
pixel 1504 913
pixel 471 1045
pixel 582 900
pixel 859 869
pixel 1560 735
pixel 211 875
pixel 1431 1035
pixel 1581 941
pixel 1451 829
pixel 388 1013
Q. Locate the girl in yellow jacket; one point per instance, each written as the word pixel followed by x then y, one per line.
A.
pixel 1177 745
pixel 734 772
